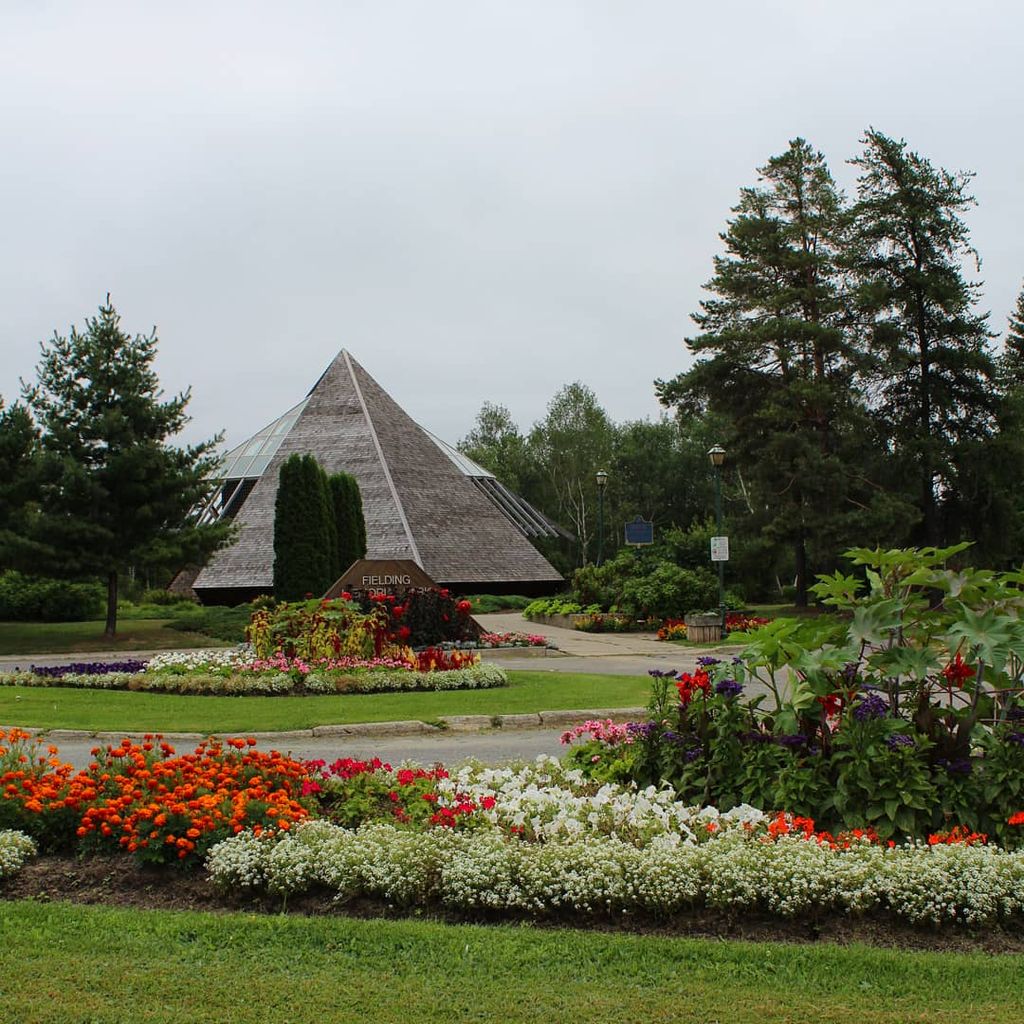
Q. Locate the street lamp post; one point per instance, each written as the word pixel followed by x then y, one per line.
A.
pixel 602 480
pixel 717 456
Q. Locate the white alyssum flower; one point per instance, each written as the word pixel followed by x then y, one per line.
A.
pixel 735 869
pixel 15 849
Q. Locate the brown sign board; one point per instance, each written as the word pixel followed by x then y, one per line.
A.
pixel 393 575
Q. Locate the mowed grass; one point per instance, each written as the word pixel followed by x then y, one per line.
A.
pixel 65 964
pixel 111 710
pixel 18 638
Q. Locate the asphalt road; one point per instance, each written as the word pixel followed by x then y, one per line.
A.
pixel 493 746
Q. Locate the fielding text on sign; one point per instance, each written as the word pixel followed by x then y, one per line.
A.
pixel 387 580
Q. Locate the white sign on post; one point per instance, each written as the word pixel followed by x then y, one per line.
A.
pixel 719 549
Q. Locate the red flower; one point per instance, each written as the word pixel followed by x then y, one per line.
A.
pixel 404 632
pixel 398 611
pixel 832 704
pixel 958 672
pixel 688 685
pixel 346 596
pixel 463 607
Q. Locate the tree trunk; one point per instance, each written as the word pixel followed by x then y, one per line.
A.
pixel 111 628
pixel 800 558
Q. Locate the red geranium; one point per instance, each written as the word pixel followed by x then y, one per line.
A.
pixel 957 671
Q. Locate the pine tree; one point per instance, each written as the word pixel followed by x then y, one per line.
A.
pixel 776 364
pixel 1011 363
pixel 114 493
pixel 303 529
pixel 932 384
pixel 19 482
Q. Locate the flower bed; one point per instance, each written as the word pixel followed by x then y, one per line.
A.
pixel 490 641
pixel 735 869
pixel 735 622
pixel 143 799
pixel 534 840
pixel 240 673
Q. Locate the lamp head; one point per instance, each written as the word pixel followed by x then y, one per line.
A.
pixel 716 455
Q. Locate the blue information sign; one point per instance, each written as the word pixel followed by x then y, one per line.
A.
pixel 639 532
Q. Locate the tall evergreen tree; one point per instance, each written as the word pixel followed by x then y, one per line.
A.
pixel 114 492
pixel 775 363
pixel 19 482
pixel 1011 362
pixel 988 506
pixel 349 524
pixel 303 528
pixel 932 383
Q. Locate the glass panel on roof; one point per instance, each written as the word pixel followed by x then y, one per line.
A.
pixel 260 463
pixel 252 457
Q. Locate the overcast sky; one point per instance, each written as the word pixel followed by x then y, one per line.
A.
pixel 481 201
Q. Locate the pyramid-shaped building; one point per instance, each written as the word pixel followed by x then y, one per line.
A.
pixel 422 500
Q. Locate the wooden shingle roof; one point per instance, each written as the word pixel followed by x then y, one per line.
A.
pixel 416 501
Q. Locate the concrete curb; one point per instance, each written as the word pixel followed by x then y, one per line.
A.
pixel 449 723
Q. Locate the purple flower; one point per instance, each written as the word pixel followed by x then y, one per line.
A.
pixel 706 661
pixel 899 739
pixel 797 739
pixel 728 688
pixel 86 668
pixel 870 706
pixel 755 737
pixel 958 766
pixel 1016 737
pixel 659 673
pixel 642 730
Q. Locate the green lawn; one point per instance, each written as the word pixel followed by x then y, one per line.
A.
pixel 64 964
pixel 106 710
pixel 17 638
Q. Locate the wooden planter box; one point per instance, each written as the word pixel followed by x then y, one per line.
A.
pixel 703 629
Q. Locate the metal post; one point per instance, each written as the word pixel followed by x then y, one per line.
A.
pixel 718 527
pixel 600 524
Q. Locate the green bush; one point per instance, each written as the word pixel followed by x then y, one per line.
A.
pixel 484 604
pixel 38 599
pixel 551 606
pixel 217 621
pixel 157 595
pixel 669 591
